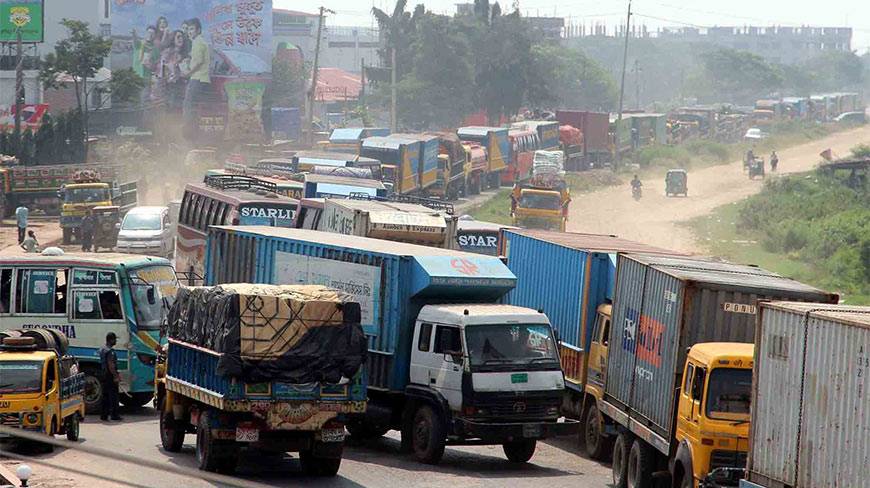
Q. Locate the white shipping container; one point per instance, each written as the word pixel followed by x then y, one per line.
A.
pixel 810 405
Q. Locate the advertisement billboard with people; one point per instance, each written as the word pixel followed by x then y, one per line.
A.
pixel 207 61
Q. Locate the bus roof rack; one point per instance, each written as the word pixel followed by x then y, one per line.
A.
pixel 399 198
pixel 239 182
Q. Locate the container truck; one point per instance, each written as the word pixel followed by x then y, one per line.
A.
pixel 479 237
pixel 475 167
pixel 273 368
pixel 595 127
pixel 571 143
pixel 679 366
pixel 547 130
pixel 495 141
pixel 446 362
pixel 571 278
pixel 391 221
pixel 400 161
pixel 429 151
pixel 452 168
pixel 348 139
pixel 810 425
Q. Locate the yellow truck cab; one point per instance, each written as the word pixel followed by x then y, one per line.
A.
pixel 540 208
pixel 40 391
pixel 713 413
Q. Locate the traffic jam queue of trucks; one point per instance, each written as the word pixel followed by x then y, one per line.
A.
pixel 656 348
pixel 446 363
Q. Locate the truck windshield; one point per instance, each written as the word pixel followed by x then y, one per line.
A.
pixel 490 345
pixel 162 278
pixel 728 394
pixel 87 195
pixel 545 201
pixel 20 376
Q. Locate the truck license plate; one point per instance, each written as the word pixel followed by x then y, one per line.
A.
pixel 531 430
pixel 247 434
pixel 332 435
pixel 520 378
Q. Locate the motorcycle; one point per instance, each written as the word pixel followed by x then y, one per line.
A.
pixel 636 192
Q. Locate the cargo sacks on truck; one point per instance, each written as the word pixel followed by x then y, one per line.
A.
pixel 292 333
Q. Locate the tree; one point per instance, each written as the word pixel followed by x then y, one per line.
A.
pixel 398 31
pixel 288 82
pixel 77 59
pixel 738 76
pixel 568 78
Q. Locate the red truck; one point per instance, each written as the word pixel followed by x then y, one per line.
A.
pixel 595 127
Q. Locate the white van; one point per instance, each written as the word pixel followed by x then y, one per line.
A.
pixel 147 230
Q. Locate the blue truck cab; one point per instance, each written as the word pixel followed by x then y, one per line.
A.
pixel 446 361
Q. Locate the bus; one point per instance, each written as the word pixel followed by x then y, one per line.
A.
pixel 225 199
pixel 86 296
pixel 524 143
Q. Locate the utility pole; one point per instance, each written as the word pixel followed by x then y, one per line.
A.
pixel 312 91
pixel 393 122
pixel 19 88
pixel 621 90
pixel 637 84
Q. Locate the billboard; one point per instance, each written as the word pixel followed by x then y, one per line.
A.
pixel 25 15
pixel 206 60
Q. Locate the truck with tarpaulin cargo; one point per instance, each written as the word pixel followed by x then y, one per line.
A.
pixel 809 421
pixel 571 143
pixel 453 162
pixel 347 139
pixel 388 220
pixel 446 362
pixel 304 161
pixel 266 367
pixel 429 151
pixel 571 277
pixel 547 130
pixel 679 366
pixel 400 161
pixel 495 141
pixel 595 127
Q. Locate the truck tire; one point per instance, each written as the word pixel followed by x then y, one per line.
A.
pixel 72 428
pixel 428 439
pixel 135 400
pixel 520 451
pixel 93 390
pixel 313 465
pixel 171 432
pixel 619 466
pixel 211 454
pixel 67 236
pixel 598 446
pixel 641 462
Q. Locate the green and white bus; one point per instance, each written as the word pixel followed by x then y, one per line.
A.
pixel 86 296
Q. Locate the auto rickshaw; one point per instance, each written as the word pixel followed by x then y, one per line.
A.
pixel 676 182
pixel 107 227
pixel 756 168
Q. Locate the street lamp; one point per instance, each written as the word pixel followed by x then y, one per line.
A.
pixel 23 472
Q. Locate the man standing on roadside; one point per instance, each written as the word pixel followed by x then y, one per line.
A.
pixel 111 379
pixel 199 81
pixel 21 214
pixel 87 229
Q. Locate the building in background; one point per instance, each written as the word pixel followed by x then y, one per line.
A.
pixel 547 27
pixel 340 47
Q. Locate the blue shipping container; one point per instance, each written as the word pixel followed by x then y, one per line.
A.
pixel 567 276
pixel 390 280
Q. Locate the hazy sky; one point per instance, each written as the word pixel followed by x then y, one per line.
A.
pixel 654 13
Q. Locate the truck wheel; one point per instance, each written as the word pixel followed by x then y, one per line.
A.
pixel 598 445
pixel 67 235
pixel 212 454
pixel 172 432
pixel 72 428
pixel 135 400
pixel 641 462
pixel 428 436
pixel 93 392
pixel 619 466
pixel 313 465
pixel 520 451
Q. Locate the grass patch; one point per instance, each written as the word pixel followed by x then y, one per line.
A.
pixel 497 209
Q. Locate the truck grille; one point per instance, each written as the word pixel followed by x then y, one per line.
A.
pixel 516 407
pixel 9 419
pixel 727 459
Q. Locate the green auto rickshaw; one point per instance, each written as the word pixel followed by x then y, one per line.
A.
pixel 676 183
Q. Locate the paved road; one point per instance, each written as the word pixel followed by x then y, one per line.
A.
pixel 556 464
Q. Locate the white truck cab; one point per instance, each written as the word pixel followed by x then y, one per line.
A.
pixel 495 370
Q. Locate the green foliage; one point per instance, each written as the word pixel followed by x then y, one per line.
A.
pixel 126 85
pixel 572 79
pixel 57 139
pixel 861 151
pixel 737 76
pixel 836 70
pixel 288 82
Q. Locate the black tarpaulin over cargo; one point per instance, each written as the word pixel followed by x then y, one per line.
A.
pixel 290 333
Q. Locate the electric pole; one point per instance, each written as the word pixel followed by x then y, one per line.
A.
pixel 393 123
pixel 621 91
pixel 19 88
pixel 312 91
pixel 637 84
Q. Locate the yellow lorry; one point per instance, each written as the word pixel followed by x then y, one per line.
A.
pixel 87 191
pixel 41 389
pixel 540 206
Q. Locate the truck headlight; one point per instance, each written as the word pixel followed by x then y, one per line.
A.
pixel 32 419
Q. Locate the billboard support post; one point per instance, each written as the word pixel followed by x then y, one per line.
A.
pixel 19 85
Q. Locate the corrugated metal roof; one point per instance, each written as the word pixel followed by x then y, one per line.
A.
pixel 593 242
pixel 850 314
pixel 335 84
pixel 341 240
pixel 722 273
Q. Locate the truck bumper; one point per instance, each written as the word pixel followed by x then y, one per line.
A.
pixel 506 432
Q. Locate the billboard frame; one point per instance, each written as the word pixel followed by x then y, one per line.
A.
pixel 14 37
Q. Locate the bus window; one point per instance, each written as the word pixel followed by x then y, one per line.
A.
pixel 199 212
pixel 97 305
pixel 224 214
pixel 5 291
pixel 42 291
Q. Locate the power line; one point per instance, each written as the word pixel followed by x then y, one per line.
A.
pixel 674 21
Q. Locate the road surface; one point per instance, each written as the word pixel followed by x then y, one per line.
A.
pixel 655 218
pixel 556 463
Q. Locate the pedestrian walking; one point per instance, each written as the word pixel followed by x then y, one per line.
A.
pixel 30 244
pixel 110 378
pixel 89 226
pixel 21 214
pixel 774 161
